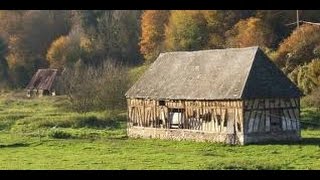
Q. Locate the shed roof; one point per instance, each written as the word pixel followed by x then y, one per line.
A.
pixel 233 73
pixel 43 79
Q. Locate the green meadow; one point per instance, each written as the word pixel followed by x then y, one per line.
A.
pixel 44 133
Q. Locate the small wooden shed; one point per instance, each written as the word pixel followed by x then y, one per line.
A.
pixel 234 96
pixel 42 83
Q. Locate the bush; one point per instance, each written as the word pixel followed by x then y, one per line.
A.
pixel 59 134
pixel 313 100
pixel 243 165
pixel 96 88
pixel 94 122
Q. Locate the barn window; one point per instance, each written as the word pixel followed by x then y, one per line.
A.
pixel 176 118
pixel 162 103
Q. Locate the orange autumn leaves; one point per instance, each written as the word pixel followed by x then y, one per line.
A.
pixel 199 29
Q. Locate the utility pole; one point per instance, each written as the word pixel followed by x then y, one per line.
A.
pixel 297 19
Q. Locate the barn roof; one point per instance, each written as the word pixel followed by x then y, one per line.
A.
pixel 43 79
pixel 234 73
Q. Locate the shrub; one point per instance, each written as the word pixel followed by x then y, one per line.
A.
pixel 95 88
pixel 313 100
pixel 307 77
pixel 59 134
pixel 94 122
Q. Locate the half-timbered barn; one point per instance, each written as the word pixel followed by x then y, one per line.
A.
pixel 42 83
pixel 234 96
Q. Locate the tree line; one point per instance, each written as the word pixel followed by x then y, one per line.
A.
pixel 32 39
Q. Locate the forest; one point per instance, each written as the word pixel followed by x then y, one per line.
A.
pixel 126 39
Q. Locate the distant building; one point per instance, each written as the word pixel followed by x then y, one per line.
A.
pixel 43 83
pixel 234 96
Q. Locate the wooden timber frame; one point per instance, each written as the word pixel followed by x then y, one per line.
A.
pixel 227 121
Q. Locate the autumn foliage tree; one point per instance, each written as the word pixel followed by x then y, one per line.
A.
pixel 250 32
pixel 300 47
pixel 218 22
pixel 186 30
pixel 307 76
pixel 115 34
pixel 152 33
pixel 29 34
pixel 56 54
pixel 67 50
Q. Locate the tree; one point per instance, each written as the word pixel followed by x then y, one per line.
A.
pixel 300 47
pixel 3 64
pixel 186 30
pixel 56 54
pixel 219 22
pixel 29 36
pixel 313 99
pixel 115 33
pixel 276 21
pixel 307 76
pixel 67 50
pixel 250 32
pixel 152 33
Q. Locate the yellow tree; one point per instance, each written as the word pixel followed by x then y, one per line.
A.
pixel 152 33
pixel 56 54
pixel 186 30
pixel 250 32
pixel 220 21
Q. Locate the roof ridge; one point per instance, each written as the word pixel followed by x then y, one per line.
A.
pixel 211 50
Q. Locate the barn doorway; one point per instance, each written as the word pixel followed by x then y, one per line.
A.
pixel 176 118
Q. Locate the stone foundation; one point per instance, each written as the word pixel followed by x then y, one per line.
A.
pixel 184 134
pixel 285 136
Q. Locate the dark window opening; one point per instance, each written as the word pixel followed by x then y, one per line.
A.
pixel 225 123
pixel 194 114
pixel 239 127
pixel 276 121
pixel 286 100
pixel 219 120
pixel 176 110
pixel 162 103
pixel 46 92
pixel 272 100
pixel 207 117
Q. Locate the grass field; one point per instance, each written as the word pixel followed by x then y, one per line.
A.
pixel 45 134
